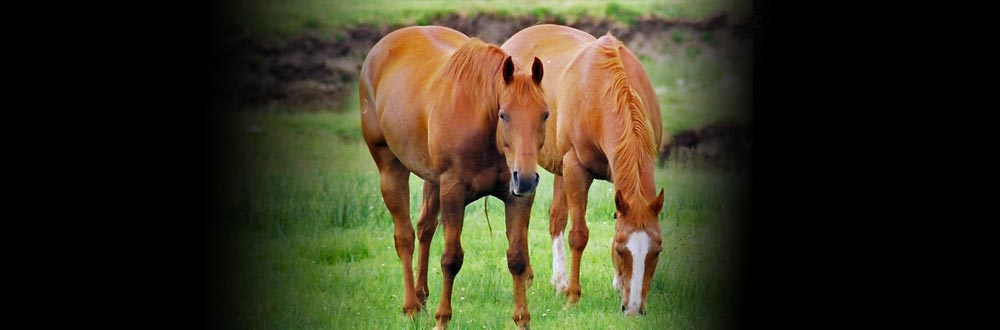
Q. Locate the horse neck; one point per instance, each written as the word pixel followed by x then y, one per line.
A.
pixel 632 174
pixel 632 139
pixel 470 81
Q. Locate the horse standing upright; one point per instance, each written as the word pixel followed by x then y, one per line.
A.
pixel 606 126
pixel 457 113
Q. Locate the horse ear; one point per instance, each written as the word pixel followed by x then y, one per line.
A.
pixel 508 70
pixel 536 71
pixel 620 204
pixel 657 203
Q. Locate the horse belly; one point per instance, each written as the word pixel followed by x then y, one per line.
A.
pixel 415 159
pixel 593 159
pixel 407 138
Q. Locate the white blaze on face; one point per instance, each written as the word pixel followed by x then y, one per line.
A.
pixel 559 279
pixel 638 245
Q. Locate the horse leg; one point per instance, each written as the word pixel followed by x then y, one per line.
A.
pixel 557 226
pixel 426 226
pixel 518 213
pixel 395 186
pixel 576 181
pixel 452 215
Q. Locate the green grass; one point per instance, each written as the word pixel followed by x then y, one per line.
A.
pixel 312 242
pixel 281 19
pixel 695 88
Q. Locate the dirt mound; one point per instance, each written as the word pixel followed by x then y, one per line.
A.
pixel 311 71
pixel 726 144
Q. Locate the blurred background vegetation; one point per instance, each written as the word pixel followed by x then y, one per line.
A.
pixel 289 18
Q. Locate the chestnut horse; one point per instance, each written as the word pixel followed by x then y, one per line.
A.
pixel 455 112
pixel 606 126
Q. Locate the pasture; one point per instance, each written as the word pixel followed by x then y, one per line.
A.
pixel 312 242
pixel 308 243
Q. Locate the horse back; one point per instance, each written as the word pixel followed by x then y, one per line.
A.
pixel 404 61
pixel 396 90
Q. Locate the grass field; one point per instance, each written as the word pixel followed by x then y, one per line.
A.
pixel 313 248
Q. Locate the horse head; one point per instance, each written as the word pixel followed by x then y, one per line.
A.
pixel 636 248
pixel 521 125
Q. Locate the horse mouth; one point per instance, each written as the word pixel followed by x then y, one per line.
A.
pixel 521 188
pixel 523 193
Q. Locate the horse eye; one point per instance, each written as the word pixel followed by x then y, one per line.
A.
pixel 503 115
pixel 545 116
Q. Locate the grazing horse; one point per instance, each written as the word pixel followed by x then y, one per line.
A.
pixel 455 112
pixel 606 126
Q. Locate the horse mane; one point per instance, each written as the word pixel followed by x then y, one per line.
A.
pixel 478 64
pixel 636 139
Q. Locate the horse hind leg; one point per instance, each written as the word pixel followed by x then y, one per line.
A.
pixel 557 226
pixel 394 179
pixel 427 224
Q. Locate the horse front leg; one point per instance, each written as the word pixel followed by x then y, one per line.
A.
pixel 426 226
pixel 518 213
pixel 576 181
pixel 557 226
pixel 452 198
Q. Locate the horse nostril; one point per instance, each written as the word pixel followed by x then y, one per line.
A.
pixel 537 177
pixel 514 175
pixel 623 308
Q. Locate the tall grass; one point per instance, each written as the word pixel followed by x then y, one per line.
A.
pixel 312 243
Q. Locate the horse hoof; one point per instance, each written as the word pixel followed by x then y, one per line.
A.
pixel 560 282
pixel 571 300
pixel 411 310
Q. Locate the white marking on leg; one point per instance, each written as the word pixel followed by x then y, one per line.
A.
pixel 559 279
pixel 638 244
pixel 616 282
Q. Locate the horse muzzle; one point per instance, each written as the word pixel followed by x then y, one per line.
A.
pixel 521 187
pixel 633 311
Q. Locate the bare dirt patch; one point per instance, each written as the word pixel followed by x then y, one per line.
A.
pixel 720 144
